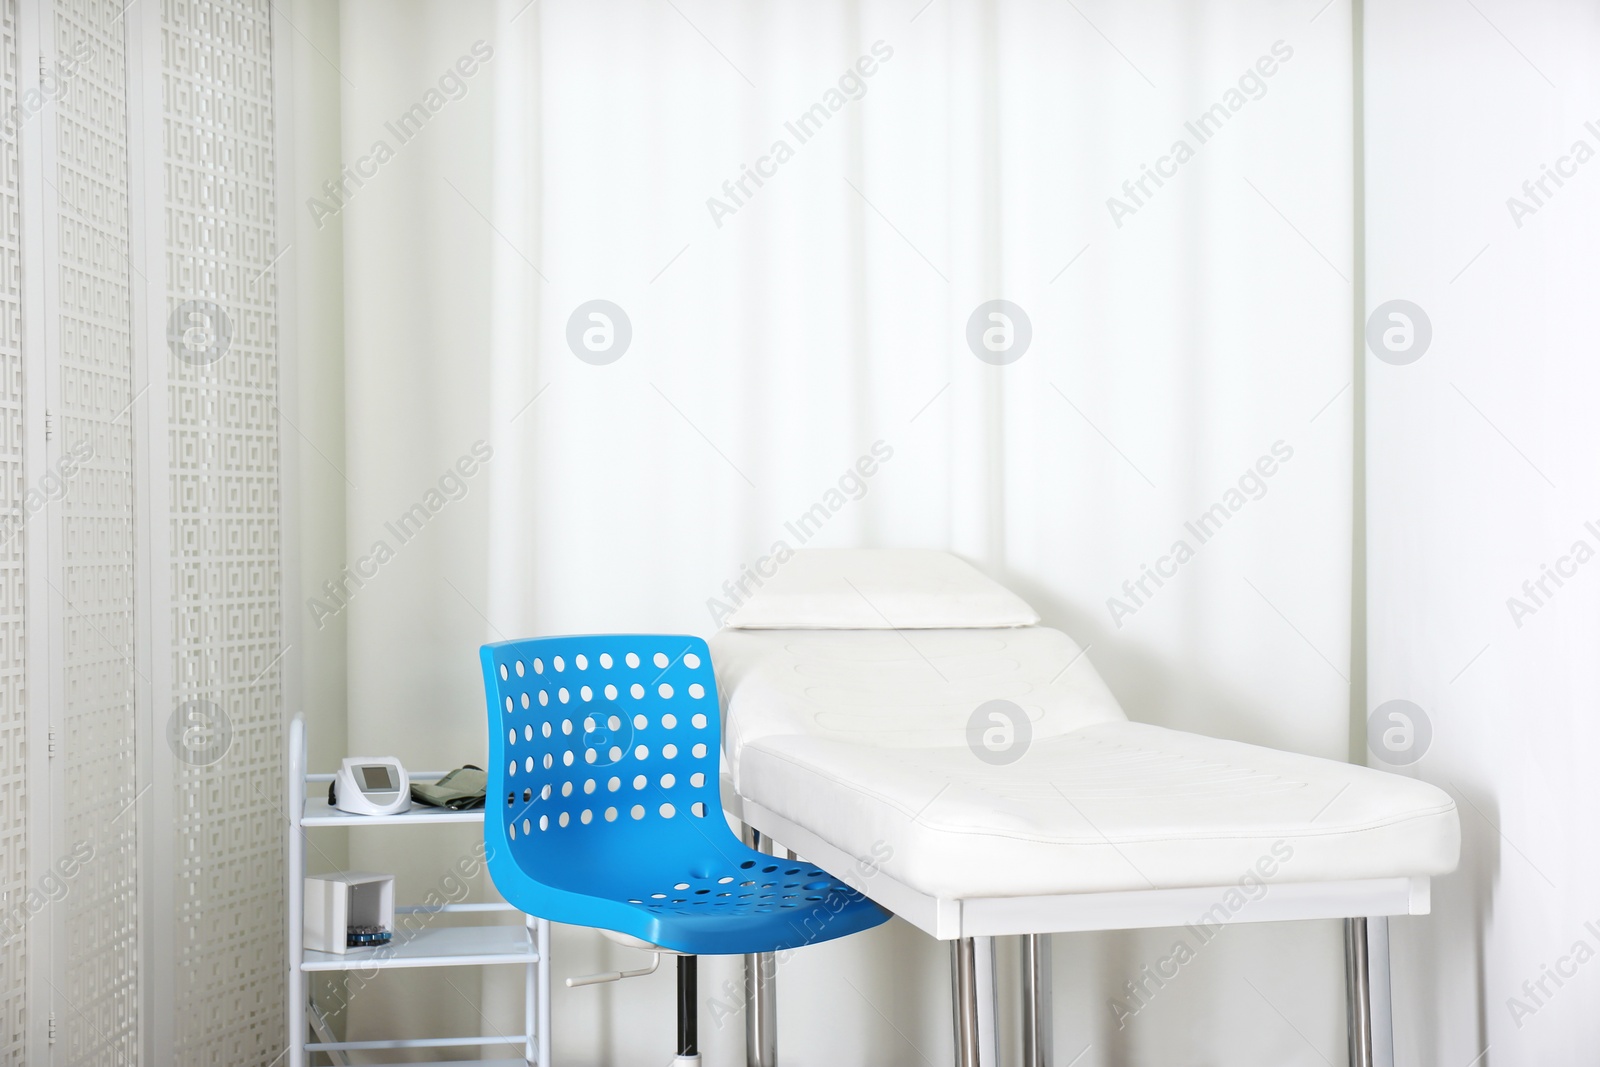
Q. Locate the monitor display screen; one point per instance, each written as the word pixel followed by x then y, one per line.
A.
pixel 376 778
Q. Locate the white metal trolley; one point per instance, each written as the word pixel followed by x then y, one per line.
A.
pixel 429 943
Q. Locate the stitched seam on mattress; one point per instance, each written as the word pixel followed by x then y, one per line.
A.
pixel 1222 835
pixel 1235 835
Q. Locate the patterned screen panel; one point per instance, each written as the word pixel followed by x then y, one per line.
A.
pixel 14 853
pixel 222 440
pixel 97 1009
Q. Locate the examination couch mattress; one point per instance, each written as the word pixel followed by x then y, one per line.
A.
pixel 869 739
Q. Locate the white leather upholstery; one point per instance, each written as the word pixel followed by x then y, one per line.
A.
pixel 861 738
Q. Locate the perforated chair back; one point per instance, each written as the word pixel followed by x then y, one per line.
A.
pixel 603 806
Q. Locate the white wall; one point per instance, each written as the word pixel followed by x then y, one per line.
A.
pixel 1169 354
pixel 415 397
pixel 1479 476
pixel 313 420
pixel 317 412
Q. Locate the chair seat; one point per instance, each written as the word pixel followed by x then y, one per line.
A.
pixel 727 900
pixel 748 902
pixel 1108 807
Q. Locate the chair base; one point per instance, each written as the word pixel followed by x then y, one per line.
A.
pixel 688 1012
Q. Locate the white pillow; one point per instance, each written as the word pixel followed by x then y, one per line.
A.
pixel 879 589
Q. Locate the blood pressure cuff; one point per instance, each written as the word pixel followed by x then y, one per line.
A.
pixel 460 790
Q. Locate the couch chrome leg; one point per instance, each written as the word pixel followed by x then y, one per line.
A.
pixel 760 996
pixel 1358 993
pixel 1380 1001
pixel 1037 1035
pixel 974 1009
pixel 964 991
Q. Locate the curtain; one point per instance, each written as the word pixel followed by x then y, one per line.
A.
pixel 659 275
pixel 1481 205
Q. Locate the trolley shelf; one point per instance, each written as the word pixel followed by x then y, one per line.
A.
pixel 320 813
pixel 444 946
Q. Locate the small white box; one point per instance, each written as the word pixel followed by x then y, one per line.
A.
pixel 336 902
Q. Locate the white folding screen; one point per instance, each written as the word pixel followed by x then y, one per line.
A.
pixel 90 385
pixel 225 575
pixel 14 852
pixel 140 834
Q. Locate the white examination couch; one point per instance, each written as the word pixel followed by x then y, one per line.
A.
pixel 861 732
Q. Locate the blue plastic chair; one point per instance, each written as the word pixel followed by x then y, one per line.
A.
pixel 604 808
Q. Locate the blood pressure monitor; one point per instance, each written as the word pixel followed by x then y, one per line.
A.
pixel 367 786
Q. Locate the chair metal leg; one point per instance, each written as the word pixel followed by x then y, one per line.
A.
pixel 1037 1033
pixel 688 1013
pixel 760 996
pixel 760 1009
pixel 972 985
pixel 1358 993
